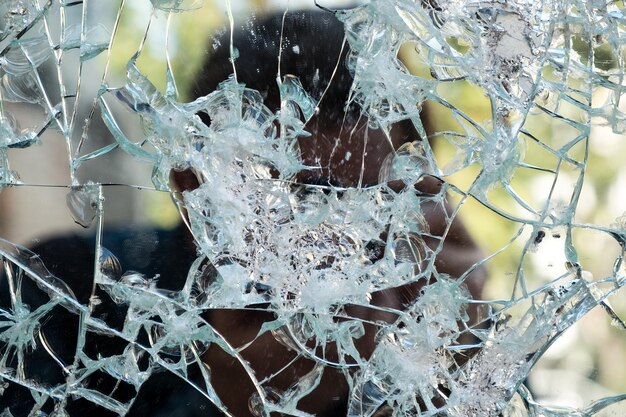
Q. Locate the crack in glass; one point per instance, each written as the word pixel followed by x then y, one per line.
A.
pixel 323 264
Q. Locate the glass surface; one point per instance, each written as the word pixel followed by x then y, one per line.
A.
pixel 262 208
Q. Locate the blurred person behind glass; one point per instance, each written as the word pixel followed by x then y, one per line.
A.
pixel 314 51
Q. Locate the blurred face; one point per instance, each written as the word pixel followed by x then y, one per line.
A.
pixel 345 158
pixel 343 152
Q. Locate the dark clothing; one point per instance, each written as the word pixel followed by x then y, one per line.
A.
pixel 163 255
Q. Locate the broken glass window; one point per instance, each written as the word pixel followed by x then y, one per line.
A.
pixel 385 209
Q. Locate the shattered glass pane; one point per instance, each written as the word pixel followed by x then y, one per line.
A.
pixel 390 208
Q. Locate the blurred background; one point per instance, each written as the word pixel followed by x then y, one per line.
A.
pixel 588 362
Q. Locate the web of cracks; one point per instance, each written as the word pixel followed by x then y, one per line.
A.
pixel 368 280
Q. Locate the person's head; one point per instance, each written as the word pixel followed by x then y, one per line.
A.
pixel 343 150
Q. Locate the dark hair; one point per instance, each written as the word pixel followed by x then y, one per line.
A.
pixel 313 48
